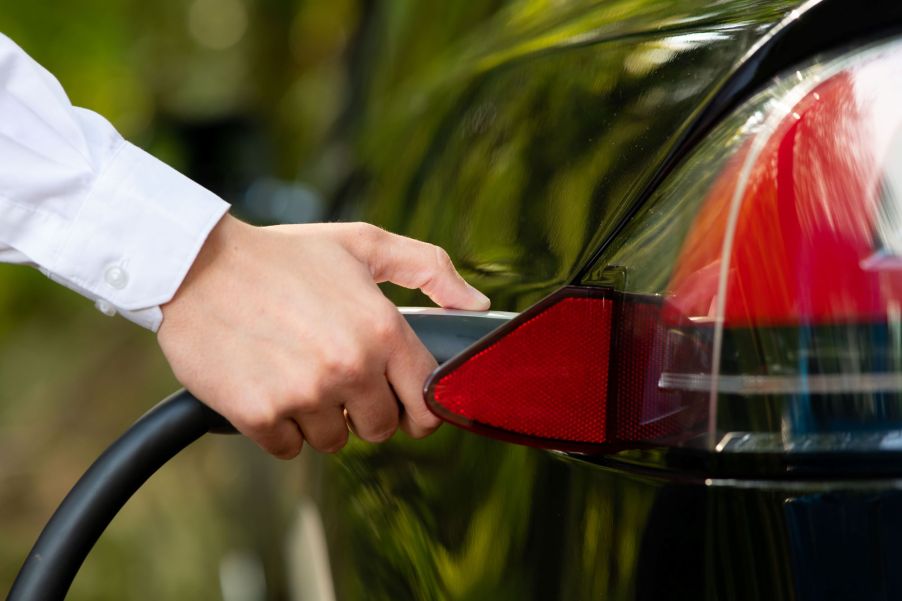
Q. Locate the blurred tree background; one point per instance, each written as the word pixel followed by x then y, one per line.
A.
pixel 256 99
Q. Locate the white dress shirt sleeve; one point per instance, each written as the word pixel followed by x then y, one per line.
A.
pixel 89 209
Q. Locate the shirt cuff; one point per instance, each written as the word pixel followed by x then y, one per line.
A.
pixel 136 235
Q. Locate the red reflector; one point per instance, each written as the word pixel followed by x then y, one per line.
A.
pixel 543 375
pixel 550 378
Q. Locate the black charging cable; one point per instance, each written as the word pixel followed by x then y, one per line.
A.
pixel 99 495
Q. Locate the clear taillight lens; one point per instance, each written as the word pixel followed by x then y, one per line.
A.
pixel 754 303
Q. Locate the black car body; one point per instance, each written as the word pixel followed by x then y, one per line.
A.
pixel 527 154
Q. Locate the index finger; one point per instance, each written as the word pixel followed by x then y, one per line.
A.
pixel 415 264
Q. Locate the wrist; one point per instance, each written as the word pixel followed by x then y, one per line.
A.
pixel 221 244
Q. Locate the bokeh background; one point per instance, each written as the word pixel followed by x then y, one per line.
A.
pixel 261 101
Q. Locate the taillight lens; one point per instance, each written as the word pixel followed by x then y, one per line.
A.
pixel 753 304
pixel 506 385
pixel 579 369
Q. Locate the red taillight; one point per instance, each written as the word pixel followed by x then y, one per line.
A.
pixel 753 304
pixel 579 369
pixel 806 226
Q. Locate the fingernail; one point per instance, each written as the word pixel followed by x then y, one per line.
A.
pixel 479 296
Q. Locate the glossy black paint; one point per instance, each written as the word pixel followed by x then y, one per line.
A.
pixel 523 163
pixel 535 141
pixel 568 530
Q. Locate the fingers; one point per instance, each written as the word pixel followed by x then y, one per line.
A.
pixel 414 264
pixel 326 431
pixel 371 409
pixel 374 413
pixel 408 367
pixel 283 440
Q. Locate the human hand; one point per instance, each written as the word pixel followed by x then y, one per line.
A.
pixel 284 331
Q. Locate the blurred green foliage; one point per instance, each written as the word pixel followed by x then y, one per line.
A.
pixel 281 83
pixel 166 74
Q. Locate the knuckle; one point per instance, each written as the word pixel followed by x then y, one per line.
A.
pixel 348 364
pixel 309 402
pixel 387 324
pixel 262 419
pixel 368 233
pixel 317 384
pixel 442 259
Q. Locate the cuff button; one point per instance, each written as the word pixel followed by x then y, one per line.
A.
pixel 105 308
pixel 116 277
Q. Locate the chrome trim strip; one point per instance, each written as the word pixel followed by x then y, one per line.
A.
pixel 794 384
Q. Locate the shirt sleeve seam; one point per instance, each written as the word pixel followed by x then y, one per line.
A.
pixel 29 208
pixel 87 198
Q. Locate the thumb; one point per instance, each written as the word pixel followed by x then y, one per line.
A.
pixel 414 264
